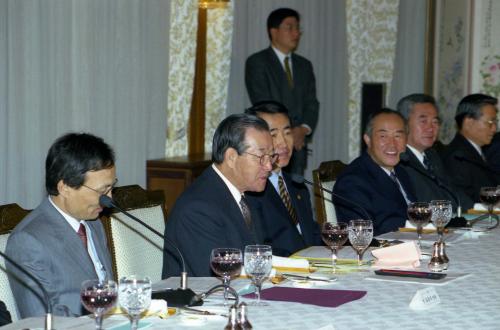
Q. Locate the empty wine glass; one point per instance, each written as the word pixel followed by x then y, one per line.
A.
pixel 98 296
pixel 335 236
pixel 489 196
pixel 360 236
pixel 441 215
pixel 419 214
pixel 258 264
pixel 226 263
pixel 135 297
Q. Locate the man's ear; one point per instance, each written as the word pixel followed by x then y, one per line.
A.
pixel 367 140
pixel 230 156
pixel 63 188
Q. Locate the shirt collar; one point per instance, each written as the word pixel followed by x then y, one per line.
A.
pixel 281 56
pixel 417 153
pixel 73 222
pixel 232 188
pixel 478 148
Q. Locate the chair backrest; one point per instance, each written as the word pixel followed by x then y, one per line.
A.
pixel 134 248
pixel 325 176
pixel 10 216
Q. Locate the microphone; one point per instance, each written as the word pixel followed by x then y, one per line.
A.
pixel 48 306
pixel 176 298
pixel 458 221
pixel 300 179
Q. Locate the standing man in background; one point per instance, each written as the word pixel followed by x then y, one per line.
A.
pixel 277 73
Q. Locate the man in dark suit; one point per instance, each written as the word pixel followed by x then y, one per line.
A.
pixel 278 74
pixel 285 206
pixel 62 243
pixel 375 181
pixel 213 211
pixel 492 152
pixel 4 314
pixel 476 119
pixel 420 160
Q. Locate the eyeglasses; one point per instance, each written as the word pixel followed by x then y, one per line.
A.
pixel 291 28
pixel 263 159
pixel 490 123
pixel 103 191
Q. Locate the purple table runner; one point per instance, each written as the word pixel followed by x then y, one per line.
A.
pixel 319 297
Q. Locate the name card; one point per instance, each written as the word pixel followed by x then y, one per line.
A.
pixel 425 299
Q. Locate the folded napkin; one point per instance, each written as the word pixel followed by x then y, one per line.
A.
pixel 406 255
pixel 481 207
pixel 430 225
pixel 318 297
pixel 295 264
pixel 158 307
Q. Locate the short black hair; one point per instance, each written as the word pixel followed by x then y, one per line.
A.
pixel 231 134
pixel 406 104
pixel 470 107
pixel 71 156
pixel 271 107
pixel 384 111
pixel 277 16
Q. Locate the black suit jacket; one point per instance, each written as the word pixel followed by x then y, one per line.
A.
pixel 492 153
pixel 205 217
pixel 277 228
pixel 467 169
pixel 368 185
pixel 4 314
pixel 428 188
pixel 266 80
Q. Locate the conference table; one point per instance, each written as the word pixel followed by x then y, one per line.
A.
pixel 469 302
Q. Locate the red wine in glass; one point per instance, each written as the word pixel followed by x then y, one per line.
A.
pixel 95 301
pixel 226 267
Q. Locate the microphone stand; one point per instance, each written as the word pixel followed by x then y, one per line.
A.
pixel 48 306
pixel 176 298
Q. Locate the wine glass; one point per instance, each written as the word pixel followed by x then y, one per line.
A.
pixel 335 236
pixel 98 296
pixel 441 215
pixel 490 197
pixel 360 236
pixel 258 264
pixel 419 214
pixel 134 296
pixel 226 263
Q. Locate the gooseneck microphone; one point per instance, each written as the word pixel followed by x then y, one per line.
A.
pixel 176 298
pixel 406 159
pixel 48 306
pixel 300 179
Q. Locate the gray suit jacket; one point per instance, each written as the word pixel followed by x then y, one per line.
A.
pixel 47 247
pixel 266 80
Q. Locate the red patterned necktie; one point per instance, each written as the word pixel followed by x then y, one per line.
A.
pixel 82 232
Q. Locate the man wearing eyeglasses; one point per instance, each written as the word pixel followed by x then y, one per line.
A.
pixel 61 242
pixel 285 206
pixel 277 73
pixel 213 212
pixel 476 119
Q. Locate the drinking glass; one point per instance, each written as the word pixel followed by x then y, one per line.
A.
pixel 258 265
pixel 490 197
pixel 226 263
pixel 98 297
pixel 135 297
pixel 360 236
pixel 335 236
pixel 419 214
pixel 441 215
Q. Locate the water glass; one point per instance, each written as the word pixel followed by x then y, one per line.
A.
pixel 360 236
pixel 134 296
pixel 441 215
pixel 258 265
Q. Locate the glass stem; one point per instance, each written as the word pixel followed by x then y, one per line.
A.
pixel 98 321
pixel 258 287
pixel 334 260
pixel 225 281
pixel 490 213
pixel 360 257
pixel 419 233
pixel 134 322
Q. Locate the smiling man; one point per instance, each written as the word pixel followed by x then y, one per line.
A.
pixel 61 242
pixel 213 212
pixel 476 119
pixel 285 206
pixel 375 180
pixel 277 73
pixel 420 160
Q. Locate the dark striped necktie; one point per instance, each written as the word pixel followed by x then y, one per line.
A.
pixel 285 196
pixel 245 210
pixel 288 72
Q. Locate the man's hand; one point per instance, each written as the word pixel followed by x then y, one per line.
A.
pixel 299 134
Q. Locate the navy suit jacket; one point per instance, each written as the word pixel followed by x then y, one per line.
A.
pixel 266 80
pixel 428 188
pixel 277 228
pixel 4 314
pixel 467 169
pixel 204 217
pixel 365 183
